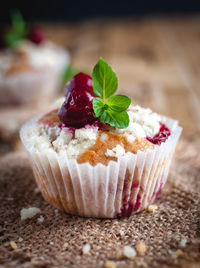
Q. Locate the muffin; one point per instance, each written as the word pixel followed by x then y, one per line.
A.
pixel 100 160
pixel 31 67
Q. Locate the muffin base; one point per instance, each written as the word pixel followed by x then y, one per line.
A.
pixel 119 189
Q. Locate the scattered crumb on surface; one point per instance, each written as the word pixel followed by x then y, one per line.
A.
pixel 141 248
pixel 179 252
pixel 86 248
pixel 172 253
pixel 142 263
pixel 109 264
pixel 56 210
pixel 13 245
pixel 65 245
pixel 40 219
pixel 121 232
pixel 183 242
pixel 20 239
pixel 10 198
pixel 51 243
pixel 36 190
pixel 28 213
pixel 119 254
pixel 129 252
pixel 152 208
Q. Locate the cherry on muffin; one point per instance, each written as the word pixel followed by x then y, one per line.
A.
pixel 79 80
pixel 36 36
pixel 77 110
pixel 162 135
pixel 20 31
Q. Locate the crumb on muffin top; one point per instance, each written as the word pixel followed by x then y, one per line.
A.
pixel 91 144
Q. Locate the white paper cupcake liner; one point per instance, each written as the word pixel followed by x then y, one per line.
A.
pixel 119 189
pixel 33 86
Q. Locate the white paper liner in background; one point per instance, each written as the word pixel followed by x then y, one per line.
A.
pixel 119 189
pixel 33 86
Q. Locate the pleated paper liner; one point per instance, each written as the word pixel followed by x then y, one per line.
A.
pixel 119 189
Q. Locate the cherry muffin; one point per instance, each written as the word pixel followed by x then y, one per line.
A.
pixel 97 155
pixel 31 67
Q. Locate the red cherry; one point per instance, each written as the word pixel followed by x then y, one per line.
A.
pixel 77 110
pixel 36 36
pixel 80 80
pixel 162 135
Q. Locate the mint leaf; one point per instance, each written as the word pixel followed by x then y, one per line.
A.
pixel 104 79
pixel 18 23
pixel 115 119
pixel 110 109
pixel 98 106
pixel 119 103
pixel 18 29
pixel 12 39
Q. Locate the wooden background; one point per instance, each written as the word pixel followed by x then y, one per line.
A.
pixel 157 60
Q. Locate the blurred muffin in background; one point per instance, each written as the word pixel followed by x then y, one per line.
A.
pixel 31 67
pixel 32 70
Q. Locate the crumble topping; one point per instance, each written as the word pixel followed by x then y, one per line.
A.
pixel 116 151
pixel 91 144
pixel 143 123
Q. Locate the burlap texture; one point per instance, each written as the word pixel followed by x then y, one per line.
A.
pixel 177 218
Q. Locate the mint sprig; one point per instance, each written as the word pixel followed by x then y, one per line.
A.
pixel 111 109
pixel 104 79
pixel 18 29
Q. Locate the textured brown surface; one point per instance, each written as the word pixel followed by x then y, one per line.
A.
pixel 177 217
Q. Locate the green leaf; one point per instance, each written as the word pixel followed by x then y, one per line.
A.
pixel 119 103
pixel 104 79
pixel 115 119
pixel 98 106
pixel 18 29
pixel 18 23
pixel 12 39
